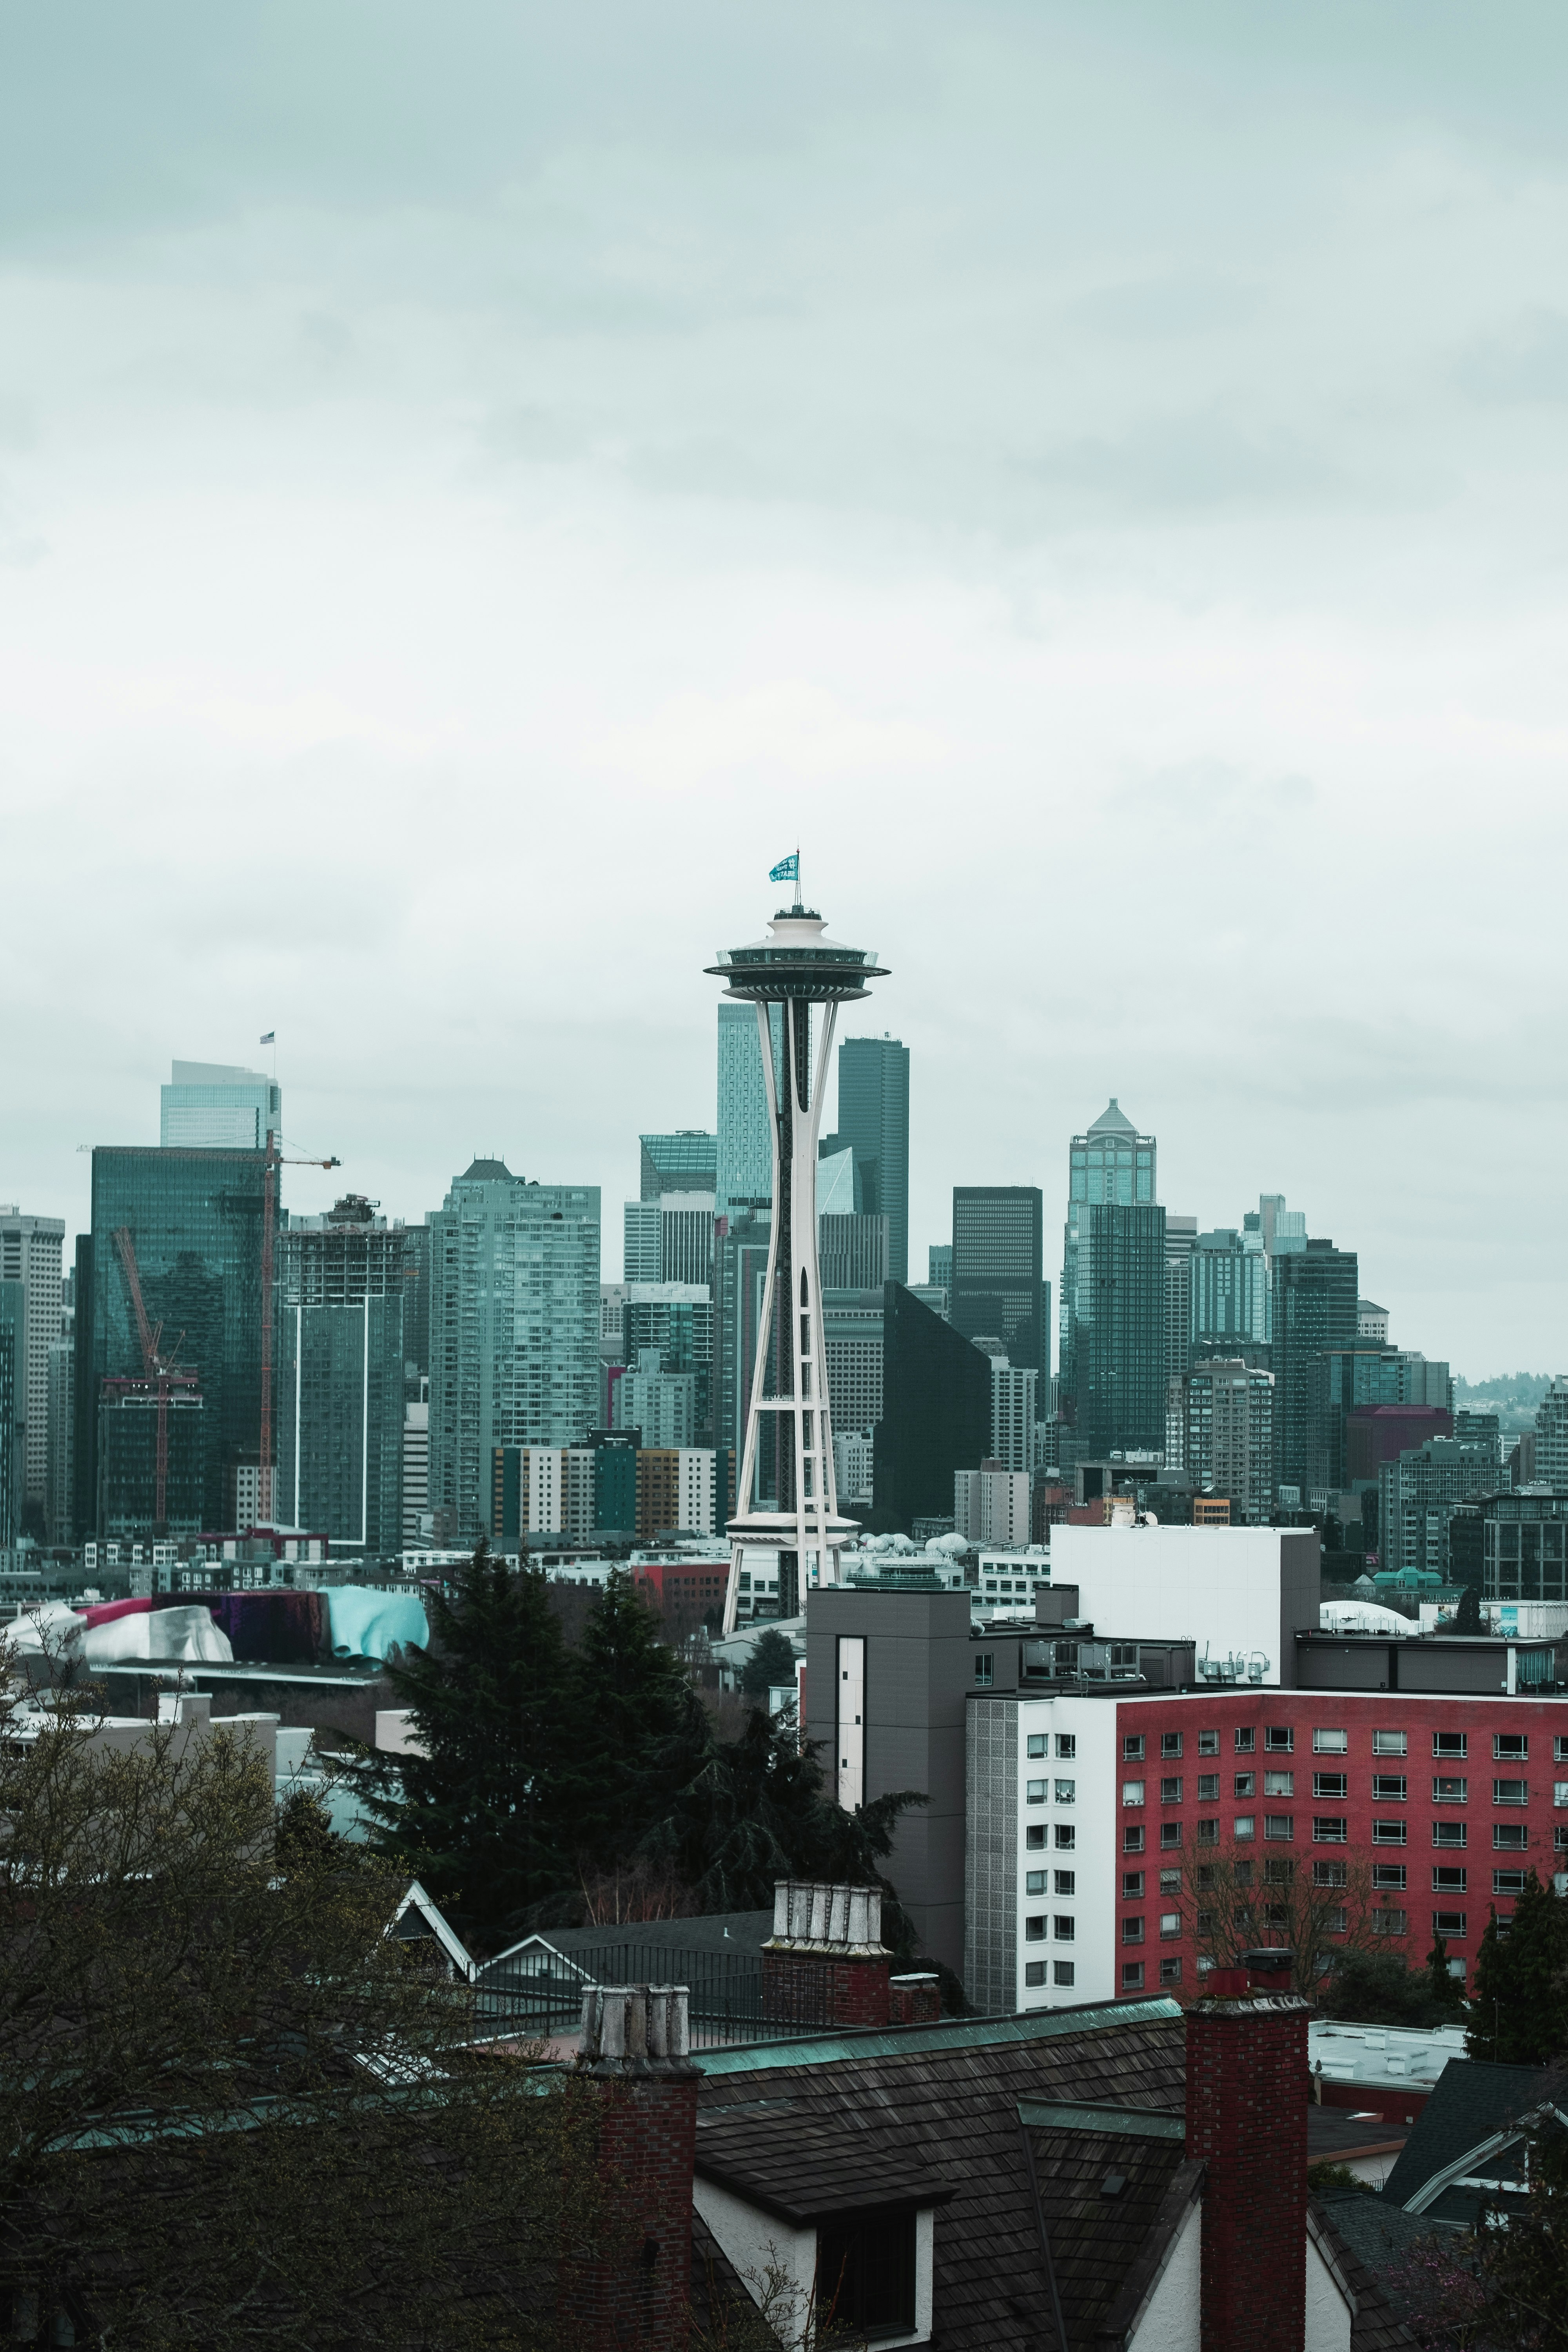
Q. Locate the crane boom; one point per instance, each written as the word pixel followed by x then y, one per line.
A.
pixel 127 1249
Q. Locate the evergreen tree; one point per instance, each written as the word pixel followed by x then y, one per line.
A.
pixel 632 1695
pixel 1444 1989
pixel 1468 1616
pixel 772 1662
pixel 491 1812
pixel 1519 2002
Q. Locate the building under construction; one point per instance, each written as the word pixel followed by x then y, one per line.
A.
pixel 346 1283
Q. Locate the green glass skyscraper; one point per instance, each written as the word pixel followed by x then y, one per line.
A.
pixel 998 1267
pixel 874 1123
pixel 1110 1161
pixel 1120 1358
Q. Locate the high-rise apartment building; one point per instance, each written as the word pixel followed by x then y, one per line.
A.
pixel 1110 1161
pixel 13 1360
pixel 214 1107
pixel 341 1409
pixel 1228 1446
pixel 1230 1293
pixel 660 1404
pixel 1014 1399
pixel 1314 1311
pixel 998 1263
pixel 1120 1339
pixel 416 1470
pixel 514 1328
pixel 1416 1499
pixel 642 1256
pixel 991 1505
pixel 874 1123
pixel 62 1423
pixel 936 1410
pixel 852 1253
pixel 1552 1435
pixel 1181 1236
pixel 194 1221
pixel 673 1320
pixel 30 1251
pixel 744 1155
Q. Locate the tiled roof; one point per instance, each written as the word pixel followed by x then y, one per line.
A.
pixel 945 2100
pixel 1101 2191
pixel 1370 2239
pixel 800 2164
pixel 1470 2102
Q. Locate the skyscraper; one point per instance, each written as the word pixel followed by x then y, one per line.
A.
pixel 1229 1435
pixel 514 1328
pixel 1314 1309
pixel 1230 1289
pixel 343 1279
pixel 1119 1339
pixel 1552 1435
pixel 998 1262
pixel 1180 1237
pixel 874 1123
pixel 936 1412
pixel 684 1162
pixel 1110 1161
pixel 744 1155
pixel 11 1360
pixel 30 1257
pixel 797 966
pixel 194 1219
pixel 210 1105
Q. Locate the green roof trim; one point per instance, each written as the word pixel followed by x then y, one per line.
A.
pixel 963 2033
pixel 1131 2123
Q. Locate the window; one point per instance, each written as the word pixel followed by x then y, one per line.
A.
pixel 1279 1784
pixel 1208 1832
pixel 1038 1743
pixel 1450 1743
pixel 1330 1873
pixel 1279 1826
pixel 1033 1882
pixel 1170 1925
pixel 1510 1837
pixel 1386 1875
pixel 1560 1795
pixel 1245 1784
pixel 1034 1972
pixel 1132 1930
pixel 1170 1882
pixel 1448 1832
pixel 1064 1928
pixel 1205 1923
pixel 1171 1971
pixel 1279 1738
pixel 869 2259
pixel 1331 1829
pixel 1450 1792
pixel 1067 1882
pixel 1448 1922
pixel 1387 1923
pixel 984 1670
pixel 1510 1792
pixel 1388 1832
pixel 1133 1841
pixel 1065 1836
pixel 1331 1743
pixel 1131 1885
pixel 1448 1878
pixel 1131 1976
pixel 1169 1836
pixel 1205 1964
pixel 1279 1869
pixel 1208 1788
pixel 1509 1882
pixel 1065 1791
pixel 1388 1787
pixel 1132 1793
pixel 1171 1789
pixel 1035 1928
pixel 1067 1747
pixel 1335 1786
pixel 1559 1748
pixel 1169 1743
pixel 1246 1826
pixel 1062 1972
pixel 1132 1747
pixel 1245 1740
pixel 1036 1792
pixel 1390 1743
pixel 1035 1836
pixel 1336 1920
pixel 1208 1743
pixel 1510 1747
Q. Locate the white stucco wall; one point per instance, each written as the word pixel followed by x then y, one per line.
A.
pixel 1094 1859
pixel 1328 2314
pixel 1172 2317
pixel 759 2243
pixel 1219 1587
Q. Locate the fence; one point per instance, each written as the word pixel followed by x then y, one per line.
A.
pixel 538 1992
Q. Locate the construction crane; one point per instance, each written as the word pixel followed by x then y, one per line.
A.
pixel 161 1374
pixel 274 1159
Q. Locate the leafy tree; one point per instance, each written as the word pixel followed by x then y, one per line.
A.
pixel 1321 1911
pixel 1374 1988
pixel 489 1815
pixel 233 2111
pixel 1446 1990
pixel 1519 2000
pixel 772 1662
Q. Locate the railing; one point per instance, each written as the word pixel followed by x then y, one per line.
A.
pixel 538 1993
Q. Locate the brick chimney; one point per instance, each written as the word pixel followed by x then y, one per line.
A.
pixel 1247 2122
pixel 635 2051
pixel 825 1964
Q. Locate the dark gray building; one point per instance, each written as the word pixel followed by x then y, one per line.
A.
pixel 998 1266
pixel 1314 1309
pixel 874 1123
pixel 1120 1353
pixel 936 1412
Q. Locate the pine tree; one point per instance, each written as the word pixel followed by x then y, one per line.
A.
pixel 489 1814
pixel 1445 1988
pixel 632 1695
pixel 771 1663
pixel 1468 1616
pixel 1519 2002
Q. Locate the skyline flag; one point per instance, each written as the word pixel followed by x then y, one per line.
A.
pixel 787 869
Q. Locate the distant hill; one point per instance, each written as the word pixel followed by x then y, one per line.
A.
pixel 1513 1396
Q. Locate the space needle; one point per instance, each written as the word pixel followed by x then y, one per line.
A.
pixel 795 967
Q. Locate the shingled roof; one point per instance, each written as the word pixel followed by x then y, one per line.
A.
pixel 1470 2102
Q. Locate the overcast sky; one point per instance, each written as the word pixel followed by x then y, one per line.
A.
pixel 478 482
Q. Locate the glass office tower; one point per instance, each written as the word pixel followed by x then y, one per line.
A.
pixel 686 1162
pixel 195 1219
pixel 212 1106
pixel 874 1123
pixel 1314 1310
pixel 1119 1356
pixel 344 1283
pixel 1110 1161
pixel 998 1264
pixel 745 1156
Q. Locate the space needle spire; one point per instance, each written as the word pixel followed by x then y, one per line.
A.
pixel 795 967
